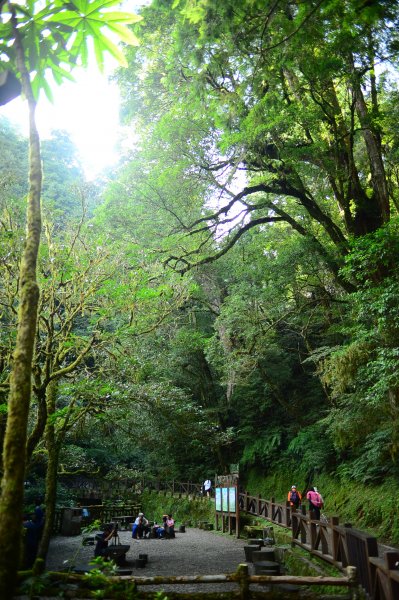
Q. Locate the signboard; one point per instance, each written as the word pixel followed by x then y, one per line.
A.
pixel 225 492
pixel 232 499
pixel 218 499
pixel 226 502
pixel 225 499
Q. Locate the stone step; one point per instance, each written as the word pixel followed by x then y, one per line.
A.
pixel 263 554
pixel 267 567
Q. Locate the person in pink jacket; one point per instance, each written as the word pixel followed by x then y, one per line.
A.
pixel 315 503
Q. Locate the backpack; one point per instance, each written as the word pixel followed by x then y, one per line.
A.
pixel 294 498
pixel 317 500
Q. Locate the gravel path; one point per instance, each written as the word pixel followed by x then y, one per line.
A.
pixel 195 552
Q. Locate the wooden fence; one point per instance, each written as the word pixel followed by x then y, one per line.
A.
pixel 188 488
pixel 340 545
pixel 125 586
pixel 86 488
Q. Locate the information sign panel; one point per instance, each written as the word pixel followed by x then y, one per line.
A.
pixel 232 499
pixel 225 492
pixel 218 499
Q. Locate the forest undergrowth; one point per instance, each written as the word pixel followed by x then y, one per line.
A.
pixel 372 509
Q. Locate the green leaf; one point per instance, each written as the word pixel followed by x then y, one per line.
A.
pixel 125 34
pixel 114 50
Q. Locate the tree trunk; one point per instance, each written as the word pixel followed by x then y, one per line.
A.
pixel 53 451
pixel 14 452
pixel 374 151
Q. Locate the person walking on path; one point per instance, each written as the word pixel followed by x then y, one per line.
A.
pixel 294 497
pixel 207 487
pixel 315 503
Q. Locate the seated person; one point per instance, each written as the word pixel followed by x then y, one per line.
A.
pixel 165 527
pixel 160 532
pixel 170 522
pixel 140 527
pixel 102 541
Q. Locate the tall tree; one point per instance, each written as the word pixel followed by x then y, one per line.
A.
pixel 281 92
pixel 36 39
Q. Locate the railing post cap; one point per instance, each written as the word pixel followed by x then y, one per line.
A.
pixel 351 572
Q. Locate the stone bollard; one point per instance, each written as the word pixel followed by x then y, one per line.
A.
pixel 249 550
pixel 140 563
pixel 263 555
pixel 256 542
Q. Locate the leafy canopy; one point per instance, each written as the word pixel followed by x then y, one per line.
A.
pixel 55 38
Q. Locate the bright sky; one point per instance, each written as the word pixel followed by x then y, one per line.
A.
pixel 88 109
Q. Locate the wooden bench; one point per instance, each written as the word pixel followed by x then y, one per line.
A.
pixel 124 521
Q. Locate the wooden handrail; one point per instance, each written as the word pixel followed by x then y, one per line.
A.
pixel 340 545
pixel 240 577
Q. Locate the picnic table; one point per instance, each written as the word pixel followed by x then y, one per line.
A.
pixel 124 521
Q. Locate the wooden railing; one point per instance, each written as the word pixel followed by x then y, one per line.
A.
pixel 187 488
pixel 241 578
pixel 340 545
pixel 87 488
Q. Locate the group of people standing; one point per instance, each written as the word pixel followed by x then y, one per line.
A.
pixel 142 529
pixel 314 498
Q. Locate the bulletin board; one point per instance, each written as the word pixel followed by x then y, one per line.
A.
pixel 226 503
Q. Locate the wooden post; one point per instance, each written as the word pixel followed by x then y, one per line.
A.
pixel 237 511
pixel 242 573
pixel 228 510
pixel 334 537
pixel 313 534
pixel 353 583
pixel 287 513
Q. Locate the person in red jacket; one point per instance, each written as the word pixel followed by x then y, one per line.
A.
pixel 294 497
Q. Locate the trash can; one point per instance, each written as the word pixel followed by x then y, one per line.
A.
pixel 71 521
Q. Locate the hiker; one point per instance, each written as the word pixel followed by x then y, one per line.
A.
pixel 315 503
pixel 207 487
pixel 294 497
